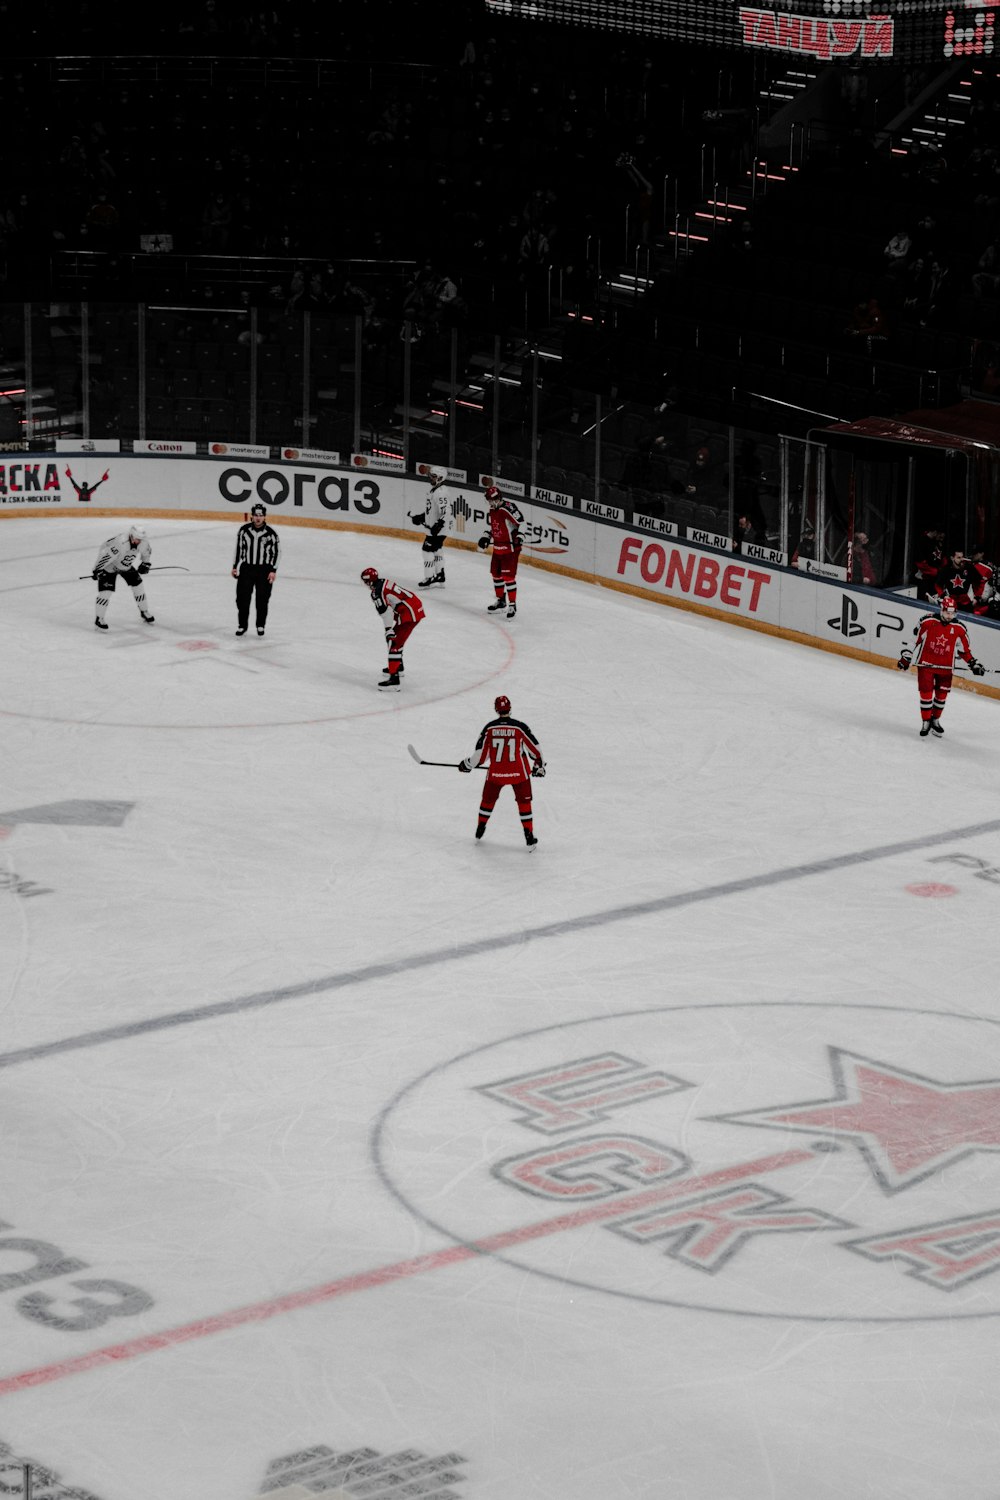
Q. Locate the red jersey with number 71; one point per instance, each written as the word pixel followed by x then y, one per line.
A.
pixel 508 749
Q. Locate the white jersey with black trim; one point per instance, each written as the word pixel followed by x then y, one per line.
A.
pixel 118 555
pixel 437 515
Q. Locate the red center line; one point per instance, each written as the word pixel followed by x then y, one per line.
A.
pixel 364 1281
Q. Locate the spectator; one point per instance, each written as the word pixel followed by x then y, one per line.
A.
pixel 925 237
pixel 897 251
pixel 747 480
pixel 646 468
pixel 933 302
pixel 745 531
pixel 101 223
pixel 986 278
pixel 215 224
pixel 868 323
pixel 702 481
pixel 862 567
pixel 989 381
pixel 448 305
pixel 930 561
pixel 805 547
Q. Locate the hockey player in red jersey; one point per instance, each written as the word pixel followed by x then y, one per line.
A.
pixel 967 582
pixel 407 612
pixel 511 755
pixel 940 638
pixel 503 532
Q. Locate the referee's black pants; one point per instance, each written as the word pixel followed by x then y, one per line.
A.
pixel 252 576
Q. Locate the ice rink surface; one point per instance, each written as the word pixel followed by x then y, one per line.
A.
pixel 345 1155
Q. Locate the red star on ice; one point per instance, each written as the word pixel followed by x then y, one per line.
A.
pixel 906 1127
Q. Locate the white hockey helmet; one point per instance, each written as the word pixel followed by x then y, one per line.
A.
pixel 136 534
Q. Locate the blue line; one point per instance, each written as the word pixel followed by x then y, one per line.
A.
pixel 437 956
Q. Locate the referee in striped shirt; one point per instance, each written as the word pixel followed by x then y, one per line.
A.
pixel 255 567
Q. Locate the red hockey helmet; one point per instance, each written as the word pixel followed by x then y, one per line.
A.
pixel 948 605
pixel 502 704
pixel 492 494
pixel 369 577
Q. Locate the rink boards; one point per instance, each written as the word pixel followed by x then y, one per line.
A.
pixel 651 561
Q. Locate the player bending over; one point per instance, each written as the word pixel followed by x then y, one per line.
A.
pixel 128 553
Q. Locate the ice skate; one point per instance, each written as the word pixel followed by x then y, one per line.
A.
pixel 390 682
pixel 241 630
pixel 937 727
pixel 530 840
pixel 426 583
pixel 260 630
pixel 511 610
pixel 497 604
pixel 101 624
pixel 925 729
pixel 480 830
pixel 149 619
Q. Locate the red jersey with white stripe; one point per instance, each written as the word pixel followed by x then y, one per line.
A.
pixel 939 640
pixel 404 604
pixel 503 526
pixel 508 749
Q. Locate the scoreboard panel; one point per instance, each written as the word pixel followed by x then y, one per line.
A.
pixel 848 31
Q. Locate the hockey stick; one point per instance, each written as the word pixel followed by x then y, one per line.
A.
pixel 962 666
pixel 452 764
pixel 164 568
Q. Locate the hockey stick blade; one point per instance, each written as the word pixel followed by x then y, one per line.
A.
pixel 451 764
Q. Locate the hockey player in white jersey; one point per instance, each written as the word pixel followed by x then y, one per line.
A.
pixel 436 516
pixel 128 553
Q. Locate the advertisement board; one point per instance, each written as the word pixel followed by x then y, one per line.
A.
pixel 647 558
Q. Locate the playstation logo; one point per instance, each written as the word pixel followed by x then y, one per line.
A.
pixel 847 621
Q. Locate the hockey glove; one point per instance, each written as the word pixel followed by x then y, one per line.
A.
pixel 483 543
pixel 904 662
pixel 539 769
pixel 978 670
pixel 96 574
pixel 436 529
pixel 143 569
pixel 463 767
pixel 417 520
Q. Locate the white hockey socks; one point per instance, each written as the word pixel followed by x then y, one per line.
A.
pixel 432 565
pixel 139 595
pixel 101 607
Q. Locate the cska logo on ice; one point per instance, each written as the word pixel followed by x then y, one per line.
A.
pixel 736 1158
